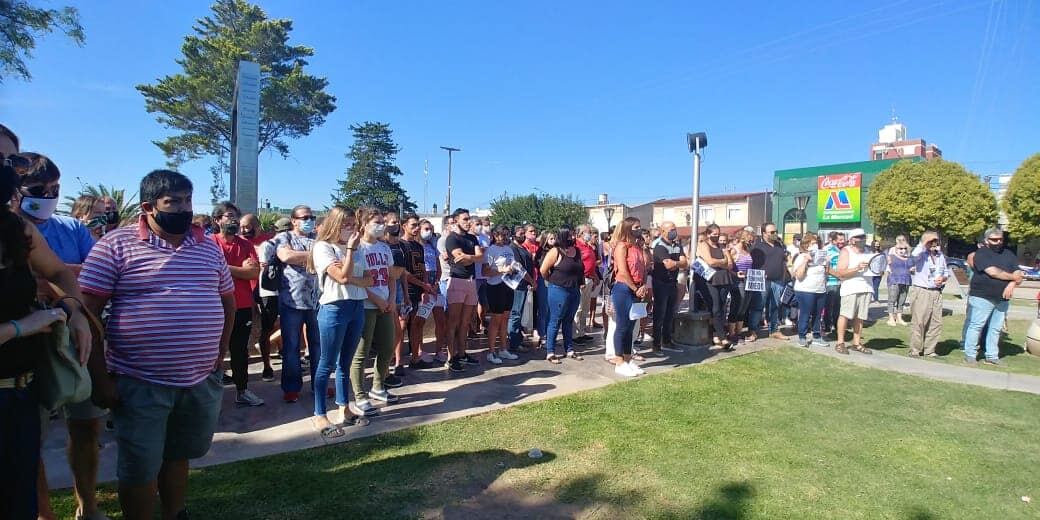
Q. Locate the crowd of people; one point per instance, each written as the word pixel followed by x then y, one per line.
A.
pixel 178 293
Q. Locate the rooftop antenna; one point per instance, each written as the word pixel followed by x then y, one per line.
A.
pixel 426 184
pixel 894 118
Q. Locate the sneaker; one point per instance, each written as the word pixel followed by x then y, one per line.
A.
pixel 227 379
pixel 248 398
pixel 421 365
pixel 493 359
pixel 625 370
pixel 970 361
pixel 392 381
pixel 819 342
pixel 469 360
pixel 441 357
pixel 933 354
pixel 801 342
pixel 636 369
pixel 778 335
pixel 891 322
pixel 455 365
pixel 363 408
pixel 505 354
pixel 989 361
pixel 291 397
pixel 383 396
pixel 397 371
pixel 268 375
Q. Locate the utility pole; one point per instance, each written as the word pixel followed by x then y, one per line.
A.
pixel 447 205
pixel 426 186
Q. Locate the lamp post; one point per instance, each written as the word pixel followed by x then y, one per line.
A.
pixel 802 202
pixel 447 205
pixel 609 213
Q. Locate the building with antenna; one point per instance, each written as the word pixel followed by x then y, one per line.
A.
pixel 893 144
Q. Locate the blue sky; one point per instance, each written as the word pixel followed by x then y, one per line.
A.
pixel 569 97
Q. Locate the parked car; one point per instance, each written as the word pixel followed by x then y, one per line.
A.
pixel 959 263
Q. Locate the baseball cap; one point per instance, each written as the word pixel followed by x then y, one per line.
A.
pixel 282 224
pixel 858 232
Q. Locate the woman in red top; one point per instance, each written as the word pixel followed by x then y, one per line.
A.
pixel 629 288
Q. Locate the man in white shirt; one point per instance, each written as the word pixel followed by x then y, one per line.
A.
pixel 855 291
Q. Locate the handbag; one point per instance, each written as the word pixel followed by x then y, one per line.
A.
pixel 60 378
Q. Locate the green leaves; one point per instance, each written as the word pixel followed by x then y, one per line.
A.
pixel 1022 200
pixel 21 24
pixel 545 211
pixel 197 102
pixel 932 195
pixel 127 207
pixel 370 179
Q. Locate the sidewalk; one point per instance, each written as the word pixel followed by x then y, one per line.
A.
pixel 429 396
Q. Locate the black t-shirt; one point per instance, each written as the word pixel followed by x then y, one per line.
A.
pixel 771 259
pixel 982 284
pixel 398 252
pixel 415 258
pixel 468 244
pixel 662 252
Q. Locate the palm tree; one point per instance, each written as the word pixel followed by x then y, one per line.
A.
pixel 128 208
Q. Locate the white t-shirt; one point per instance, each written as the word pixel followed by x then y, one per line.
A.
pixel 498 256
pixel 860 283
pixel 443 249
pixel 378 260
pixel 265 252
pixel 325 254
pixel 815 276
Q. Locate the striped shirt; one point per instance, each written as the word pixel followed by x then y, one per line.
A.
pixel 167 316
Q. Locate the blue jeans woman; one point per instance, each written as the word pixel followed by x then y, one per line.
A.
pixel 563 305
pixel 339 325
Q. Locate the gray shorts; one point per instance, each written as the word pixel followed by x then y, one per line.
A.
pixel 156 423
pixel 84 411
pixel 855 306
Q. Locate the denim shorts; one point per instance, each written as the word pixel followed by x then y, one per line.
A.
pixel 156 423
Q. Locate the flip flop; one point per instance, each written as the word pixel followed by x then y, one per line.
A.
pixel 575 356
pixel 355 420
pixel 331 432
pixel 554 360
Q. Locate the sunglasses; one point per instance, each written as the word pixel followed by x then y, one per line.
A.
pixel 308 217
pixel 994 240
pixel 16 161
pixel 41 191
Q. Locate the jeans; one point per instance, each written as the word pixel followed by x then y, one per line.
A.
pixel 810 308
pixel 541 307
pixel 516 314
pixel 238 344
pixel 19 451
pixel 340 324
pixel 665 301
pixel 875 283
pixel 563 304
pixel 980 312
pixel 767 301
pixel 622 298
pixel 719 295
pixel 293 321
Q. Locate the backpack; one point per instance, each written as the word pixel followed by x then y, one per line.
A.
pixel 271 277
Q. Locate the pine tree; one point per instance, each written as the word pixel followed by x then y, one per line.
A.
pixel 371 178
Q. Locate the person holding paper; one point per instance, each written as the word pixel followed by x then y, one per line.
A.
pixel 810 288
pixel 500 260
pixel 720 284
pixel 740 250
pixel 629 287
pixel 855 291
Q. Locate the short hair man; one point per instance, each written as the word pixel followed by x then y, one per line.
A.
pixel 856 289
pixel 992 286
pixel 590 285
pixel 297 301
pixel 836 243
pixel 464 252
pixel 669 260
pixel 173 306
pixel 769 255
pixel 926 302
pixel 245 268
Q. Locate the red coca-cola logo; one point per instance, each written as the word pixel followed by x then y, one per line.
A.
pixel 835 182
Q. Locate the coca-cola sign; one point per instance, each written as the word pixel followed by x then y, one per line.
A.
pixel 838 197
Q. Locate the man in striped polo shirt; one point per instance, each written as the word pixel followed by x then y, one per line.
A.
pixel 173 307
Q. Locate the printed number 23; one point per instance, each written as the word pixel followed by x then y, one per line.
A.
pixel 381 277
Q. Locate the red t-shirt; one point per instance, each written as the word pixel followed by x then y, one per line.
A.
pixel 588 258
pixel 532 247
pixel 260 238
pixel 236 252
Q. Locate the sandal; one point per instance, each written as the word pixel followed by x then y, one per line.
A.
pixel 554 360
pixel 861 349
pixel 637 357
pixel 841 349
pixel 716 341
pixel 355 420
pixel 330 431
pixel 575 356
pixel 751 337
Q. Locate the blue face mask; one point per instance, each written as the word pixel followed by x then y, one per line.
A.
pixel 307 227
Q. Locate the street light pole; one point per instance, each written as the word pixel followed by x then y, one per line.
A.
pixel 447 205
pixel 696 142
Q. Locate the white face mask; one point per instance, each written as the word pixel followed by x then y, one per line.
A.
pixel 377 230
pixel 39 208
pixel 426 235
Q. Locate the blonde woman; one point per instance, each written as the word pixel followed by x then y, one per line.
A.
pixel 341 271
pixel 629 288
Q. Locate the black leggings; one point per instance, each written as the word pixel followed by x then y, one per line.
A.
pixel 718 306
pixel 741 302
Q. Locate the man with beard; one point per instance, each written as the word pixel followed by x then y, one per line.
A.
pixel 996 274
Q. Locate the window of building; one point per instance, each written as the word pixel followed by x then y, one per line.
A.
pixel 707 216
pixel 879 155
pixel 734 214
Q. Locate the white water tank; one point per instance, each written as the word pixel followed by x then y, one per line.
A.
pixel 602 200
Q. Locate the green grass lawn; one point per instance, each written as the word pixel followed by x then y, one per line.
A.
pixel 778 434
pixel 1013 357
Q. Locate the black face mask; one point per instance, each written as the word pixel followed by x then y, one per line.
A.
pixel 394 230
pixel 112 217
pixel 173 223
pixel 231 228
pixel 996 247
